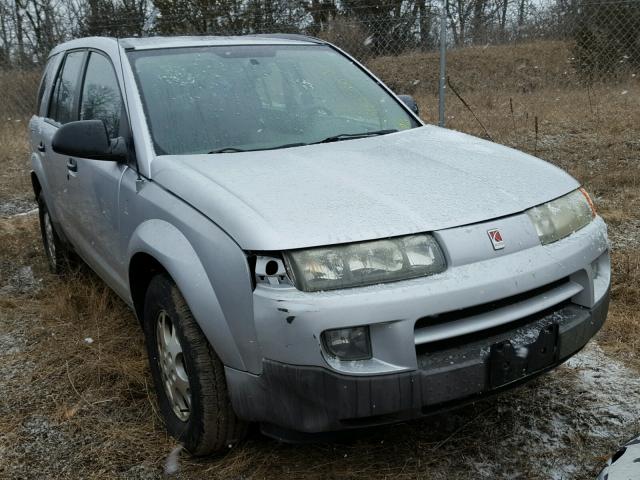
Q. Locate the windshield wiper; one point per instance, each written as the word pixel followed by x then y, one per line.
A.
pixel 333 138
pixel 234 149
pixel 349 136
pixel 286 145
pixel 227 150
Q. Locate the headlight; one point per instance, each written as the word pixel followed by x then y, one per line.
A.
pixel 367 263
pixel 561 217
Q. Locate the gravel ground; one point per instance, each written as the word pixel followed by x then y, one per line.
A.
pixel 625 235
pixel 17 206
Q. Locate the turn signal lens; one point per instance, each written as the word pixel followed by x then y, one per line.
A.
pixel 589 201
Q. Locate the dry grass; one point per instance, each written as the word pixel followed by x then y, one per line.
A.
pixel 14 172
pixel 73 409
pixel 18 92
pixel 506 68
pixel 90 396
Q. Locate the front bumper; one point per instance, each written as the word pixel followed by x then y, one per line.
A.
pixel 289 323
pixel 314 399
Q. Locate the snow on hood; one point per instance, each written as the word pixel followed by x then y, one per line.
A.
pixel 418 180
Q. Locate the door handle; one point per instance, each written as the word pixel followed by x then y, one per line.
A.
pixel 41 147
pixel 72 165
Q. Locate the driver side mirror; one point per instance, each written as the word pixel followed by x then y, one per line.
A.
pixel 88 139
pixel 410 102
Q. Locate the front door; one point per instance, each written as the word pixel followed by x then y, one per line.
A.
pixel 94 184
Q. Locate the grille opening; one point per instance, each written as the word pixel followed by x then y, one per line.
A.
pixel 456 342
pixel 439 345
pixel 486 307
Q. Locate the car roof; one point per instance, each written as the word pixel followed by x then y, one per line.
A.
pixel 146 43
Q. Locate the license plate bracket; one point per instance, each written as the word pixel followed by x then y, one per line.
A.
pixel 509 362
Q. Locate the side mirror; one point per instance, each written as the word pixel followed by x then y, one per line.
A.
pixel 88 139
pixel 410 102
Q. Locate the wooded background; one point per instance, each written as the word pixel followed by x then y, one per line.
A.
pixel 606 33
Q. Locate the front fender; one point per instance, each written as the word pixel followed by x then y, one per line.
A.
pixel 174 252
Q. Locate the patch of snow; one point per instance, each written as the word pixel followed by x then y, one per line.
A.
pixel 141 472
pixel 612 388
pixel 591 399
pixel 172 465
pixel 33 211
pixel 11 344
pixel 562 472
pixel 21 281
pixel 16 206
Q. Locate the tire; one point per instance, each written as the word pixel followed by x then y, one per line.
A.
pixel 59 256
pixel 197 412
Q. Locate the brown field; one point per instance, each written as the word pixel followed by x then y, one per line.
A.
pixel 74 409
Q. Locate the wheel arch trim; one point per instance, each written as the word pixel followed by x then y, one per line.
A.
pixel 169 247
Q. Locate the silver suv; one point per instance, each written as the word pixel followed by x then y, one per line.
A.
pixel 300 248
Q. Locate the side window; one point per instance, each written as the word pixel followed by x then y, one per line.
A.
pixel 100 94
pixel 62 107
pixel 46 78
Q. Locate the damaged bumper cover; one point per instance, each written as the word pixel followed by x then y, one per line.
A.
pixel 287 398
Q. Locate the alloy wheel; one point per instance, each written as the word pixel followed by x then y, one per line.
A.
pixel 50 239
pixel 172 370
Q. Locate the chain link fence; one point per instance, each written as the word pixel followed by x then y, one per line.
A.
pixel 604 35
pixel 398 39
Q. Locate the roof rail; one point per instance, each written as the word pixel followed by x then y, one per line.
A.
pixel 288 36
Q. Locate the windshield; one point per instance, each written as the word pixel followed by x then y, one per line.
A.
pixel 238 98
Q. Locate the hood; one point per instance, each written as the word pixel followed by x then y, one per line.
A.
pixel 418 180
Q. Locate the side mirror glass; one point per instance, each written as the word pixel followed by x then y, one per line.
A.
pixel 88 139
pixel 410 102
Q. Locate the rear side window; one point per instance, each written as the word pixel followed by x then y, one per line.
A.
pixel 46 78
pixel 63 105
pixel 101 98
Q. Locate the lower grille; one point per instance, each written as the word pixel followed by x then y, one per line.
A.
pixel 495 314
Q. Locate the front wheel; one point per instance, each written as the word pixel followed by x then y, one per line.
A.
pixel 188 375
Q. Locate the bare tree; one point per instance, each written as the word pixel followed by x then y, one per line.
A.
pixel 5 34
pixel 459 13
pixel 116 18
pixel 503 6
pixel 41 29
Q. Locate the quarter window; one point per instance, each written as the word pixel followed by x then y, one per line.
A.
pixel 101 98
pixel 63 107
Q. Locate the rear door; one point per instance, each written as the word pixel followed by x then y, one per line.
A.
pixel 44 92
pixel 94 184
pixel 62 108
